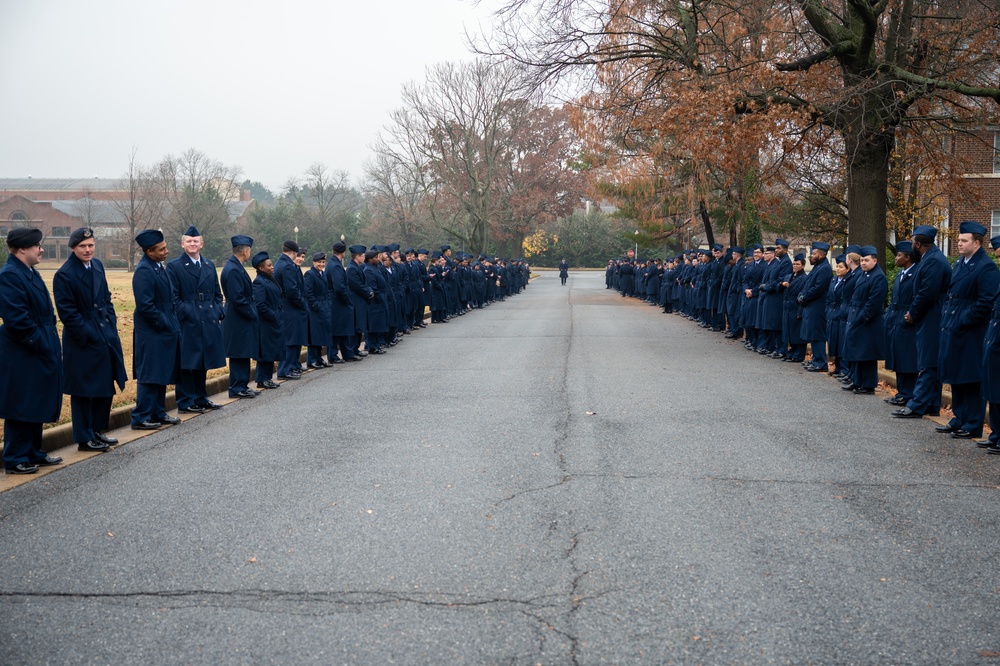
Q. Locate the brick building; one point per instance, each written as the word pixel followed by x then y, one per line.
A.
pixel 59 205
pixel 982 153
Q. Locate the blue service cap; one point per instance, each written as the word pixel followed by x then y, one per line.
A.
pixel 971 227
pixel 146 239
pixel 799 257
pixel 393 247
pixel 738 249
pixel 445 248
pixel 289 246
pixel 21 238
pixel 906 246
pixel 191 231
pixel 717 246
pixel 259 258
pixel 995 242
pixel 853 248
pixel 436 254
pixel 756 246
pixel 421 250
pixel 318 256
pixel 820 245
pixel 79 235
pixel 707 253
pixel 925 230
pixel 781 241
pixel 241 240
pixel 868 251
pixel 840 258
pixel 409 250
pixel 357 249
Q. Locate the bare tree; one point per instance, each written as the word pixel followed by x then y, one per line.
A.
pixel 143 206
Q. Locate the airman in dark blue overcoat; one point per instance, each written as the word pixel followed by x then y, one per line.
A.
pixel 240 328
pixel 92 351
pixel 317 293
pixel 295 310
pixel 964 319
pixel 901 335
pixel 156 352
pixel 198 304
pixel 865 334
pixel 31 376
pixel 812 298
pixel 270 323
pixel 342 329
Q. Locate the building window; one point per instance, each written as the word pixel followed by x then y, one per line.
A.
pixel 60 231
pixel 3 231
pixel 995 226
pixel 18 216
pixel 996 152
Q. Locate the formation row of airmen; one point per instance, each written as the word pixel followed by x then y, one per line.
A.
pixel 190 319
pixel 941 325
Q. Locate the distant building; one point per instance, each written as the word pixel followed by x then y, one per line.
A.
pixel 981 151
pixel 59 205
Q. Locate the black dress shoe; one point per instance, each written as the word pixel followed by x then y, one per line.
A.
pixel 813 368
pixel 378 351
pixel 993 450
pixel 22 468
pixel 193 409
pixel 789 359
pixel 147 425
pixel 336 360
pixel 984 444
pixel 208 404
pixel 316 366
pixel 92 446
pixel 945 429
pixel 961 434
pixel 864 391
pixel 48 461
pixel 245 393
pixel 906 413
pixel 168 420
pixel 104 439
pixel 289 377
pixel 268 384
pixel 849 387
pixel 354 359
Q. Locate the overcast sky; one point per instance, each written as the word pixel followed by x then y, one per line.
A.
pixel 270 86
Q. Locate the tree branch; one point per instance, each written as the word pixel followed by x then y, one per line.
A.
pixel 805 63
pixel 932 83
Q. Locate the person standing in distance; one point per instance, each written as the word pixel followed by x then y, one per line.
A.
pixel 240 326
pixel 317 294
pixel 295 311
pixel 92 352
pixel 156 355
pixel 271 336
pixel 31 372
pixel 198 304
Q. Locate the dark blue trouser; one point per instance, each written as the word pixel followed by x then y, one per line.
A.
pixel 819 354
pixel 90 415
pixel 150 402
pixel 345 344
pixel 265 371
pixel 314 354
pixel 905 383
pixel 22 443
pixel 239 375
pixel 866 374
pixel 191 388
pixel 995 423
pixel 969 406
pixel 291 360
pixel 926 392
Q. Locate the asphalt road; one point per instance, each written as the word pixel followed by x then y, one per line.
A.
pixel 568 477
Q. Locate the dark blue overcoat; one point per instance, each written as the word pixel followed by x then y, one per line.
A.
pixel 991 356
pixel 770 294
pixel 964 318
pixel 198 304
pixel 318 299
pixel 156 353
pixel 834 300
pixel 378 309
pixel 341 306
pixel 295 310
pixel 791 311
pixel 813 301
pixel 850 281
pixel 865 334
pixel 31 379
pixel 240 330
pixel 900 336
pixel 361 294
pixel 90 326
pixel 931 279
pixel 267 300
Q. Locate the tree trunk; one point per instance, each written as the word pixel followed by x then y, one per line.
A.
pixel 703 211
pixel 867 182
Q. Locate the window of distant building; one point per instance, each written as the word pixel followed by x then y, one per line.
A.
pixel 996 152
pixel 60 231
pixel 995 226
pixel 3 231
pixel 18 216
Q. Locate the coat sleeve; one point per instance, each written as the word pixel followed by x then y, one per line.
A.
pixel 73 322
pixel 874 305
pixel 311 287
pixel 981 310
pixel 264 309
pixel 928 287
pixel 144 290
pixel 239 297
pixel 14 310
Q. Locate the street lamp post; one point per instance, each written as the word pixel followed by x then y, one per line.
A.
pixel 296 230
pixel 637 245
